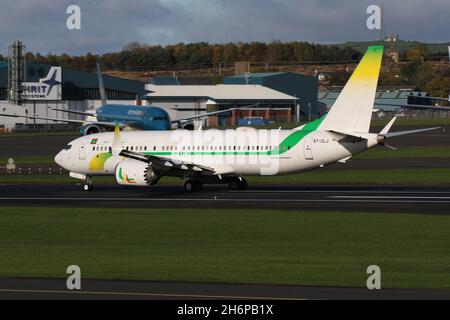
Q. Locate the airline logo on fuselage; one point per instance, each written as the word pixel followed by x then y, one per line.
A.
pixel 134 112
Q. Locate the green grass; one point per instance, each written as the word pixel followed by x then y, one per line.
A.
pixel 412 122
pixel 405 153
pixel 422 177
pixel 40 134
pixel 273 247
pixel 29 160
pixel 435 176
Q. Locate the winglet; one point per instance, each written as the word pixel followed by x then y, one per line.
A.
pixel 388 127
pixel 117 140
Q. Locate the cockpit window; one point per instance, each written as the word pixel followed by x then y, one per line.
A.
pixel 67 147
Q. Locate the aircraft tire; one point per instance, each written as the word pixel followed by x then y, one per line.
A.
pixel 88 187
pixel 193 185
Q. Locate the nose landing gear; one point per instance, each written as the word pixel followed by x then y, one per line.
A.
pixel 88 185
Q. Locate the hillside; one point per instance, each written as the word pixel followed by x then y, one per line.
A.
pixel 403 46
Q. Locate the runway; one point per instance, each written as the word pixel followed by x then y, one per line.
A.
pixel 23 288
pixel 399 199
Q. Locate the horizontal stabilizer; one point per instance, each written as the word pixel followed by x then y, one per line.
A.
pixel 388 127
pixel 402 133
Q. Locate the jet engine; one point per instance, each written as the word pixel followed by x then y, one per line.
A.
pixel 136 173
pixel 89 129
pixel 186 126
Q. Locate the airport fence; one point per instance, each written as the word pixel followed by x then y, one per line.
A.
pixel 414 114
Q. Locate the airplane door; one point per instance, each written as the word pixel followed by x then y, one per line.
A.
pixel 82 154
pixel 308 149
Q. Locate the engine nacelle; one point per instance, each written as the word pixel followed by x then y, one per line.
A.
pixel 187 126
pixel 89 129
pixel 135 173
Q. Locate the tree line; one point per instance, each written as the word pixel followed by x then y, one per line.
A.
pixel 138 56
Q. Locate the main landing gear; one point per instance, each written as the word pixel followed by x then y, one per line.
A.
pixel 238 184
pixel 193 185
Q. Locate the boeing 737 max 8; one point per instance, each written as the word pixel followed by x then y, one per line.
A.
pixel 141 158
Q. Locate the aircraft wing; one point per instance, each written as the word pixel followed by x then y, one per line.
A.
pixel 169 165
pixel 75 112
pixel 100 123
pixel 211 113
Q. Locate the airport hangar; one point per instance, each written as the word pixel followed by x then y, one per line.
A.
pixel 281 97
pixel 387 100
pixel 77 91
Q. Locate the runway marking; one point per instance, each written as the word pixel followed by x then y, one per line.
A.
pixel 342 191
pixel 389 197
pixel 328 199
pixel 145 294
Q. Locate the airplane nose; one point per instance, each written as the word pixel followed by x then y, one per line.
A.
pixel 58 158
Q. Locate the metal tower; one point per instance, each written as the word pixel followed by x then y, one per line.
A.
pixel 16 72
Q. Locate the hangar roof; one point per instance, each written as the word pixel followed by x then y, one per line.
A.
pixel 218 92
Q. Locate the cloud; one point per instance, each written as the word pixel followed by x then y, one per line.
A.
pixel 107 25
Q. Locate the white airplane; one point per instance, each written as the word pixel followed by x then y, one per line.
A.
pixel 141 158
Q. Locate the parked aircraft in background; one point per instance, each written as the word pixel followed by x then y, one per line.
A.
pixel 126 116
pixel 141 158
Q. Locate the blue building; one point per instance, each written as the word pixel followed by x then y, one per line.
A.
pixel 303 87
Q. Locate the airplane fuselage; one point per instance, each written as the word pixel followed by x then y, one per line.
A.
pixel 140 117
pixel 245 151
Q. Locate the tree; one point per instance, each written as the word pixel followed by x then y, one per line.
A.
pixel 408 70
pixel 439 87
pixel 423 75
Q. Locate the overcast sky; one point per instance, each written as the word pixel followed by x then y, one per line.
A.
pixel 107 25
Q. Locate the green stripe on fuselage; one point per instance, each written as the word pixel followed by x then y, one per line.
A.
pixel 289 142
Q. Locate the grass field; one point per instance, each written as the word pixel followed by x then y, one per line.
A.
pixel 20 161
pixel 273 247
pixel 40 134
pixel 422 177
pixel 412 122
pixel 405 153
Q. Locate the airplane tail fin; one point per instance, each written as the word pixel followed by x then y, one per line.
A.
pixel 352 110
pixel 101 87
